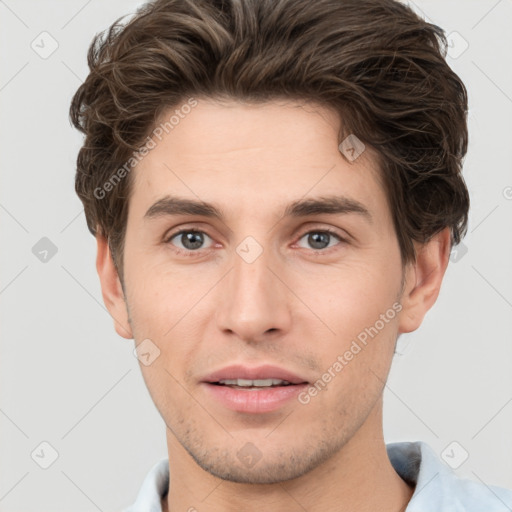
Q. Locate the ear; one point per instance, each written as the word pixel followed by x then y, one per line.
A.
pixel 111 289
pixel 423 280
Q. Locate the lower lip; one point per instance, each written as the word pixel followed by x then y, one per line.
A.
pixel 254 400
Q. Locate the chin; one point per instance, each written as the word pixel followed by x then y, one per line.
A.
pixel 262 469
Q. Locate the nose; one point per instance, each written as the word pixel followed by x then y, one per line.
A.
pixel 254 300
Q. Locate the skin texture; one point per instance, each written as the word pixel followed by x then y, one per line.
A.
pixel 296 306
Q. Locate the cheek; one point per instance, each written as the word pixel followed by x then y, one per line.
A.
pixel 359 305
pixel 167 308
pixel 158 294
pixel 349 297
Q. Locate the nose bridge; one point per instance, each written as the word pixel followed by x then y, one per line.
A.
pixel 253 300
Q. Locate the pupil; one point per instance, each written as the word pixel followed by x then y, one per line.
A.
pixel 192 240
pixel 319 238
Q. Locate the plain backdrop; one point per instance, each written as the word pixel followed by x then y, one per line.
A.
pixel 68 381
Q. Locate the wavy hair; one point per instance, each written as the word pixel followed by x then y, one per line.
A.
pixel 375 62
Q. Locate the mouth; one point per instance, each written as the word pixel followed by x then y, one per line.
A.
pixel 253 390
pixel 250 384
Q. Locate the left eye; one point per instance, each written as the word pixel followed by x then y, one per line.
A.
pixel 320 239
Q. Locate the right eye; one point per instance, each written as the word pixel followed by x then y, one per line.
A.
pixel 190 240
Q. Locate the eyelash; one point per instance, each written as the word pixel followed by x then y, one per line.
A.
pixel 191 253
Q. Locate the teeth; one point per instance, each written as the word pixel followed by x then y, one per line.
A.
pixel 254 383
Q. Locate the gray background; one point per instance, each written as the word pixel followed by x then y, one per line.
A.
pixel 68 380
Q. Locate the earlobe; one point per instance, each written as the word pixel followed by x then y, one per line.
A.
pixel 111 289
pixel 423 280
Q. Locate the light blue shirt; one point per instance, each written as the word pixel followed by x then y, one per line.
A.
pixel 438 488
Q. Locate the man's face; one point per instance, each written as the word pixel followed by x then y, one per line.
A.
pixel 259 287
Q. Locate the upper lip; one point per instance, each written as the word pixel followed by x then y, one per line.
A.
pixel 238 371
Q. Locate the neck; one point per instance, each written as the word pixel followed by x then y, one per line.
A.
pixel 358 477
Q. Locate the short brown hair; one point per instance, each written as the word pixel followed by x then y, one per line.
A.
pixel 375 62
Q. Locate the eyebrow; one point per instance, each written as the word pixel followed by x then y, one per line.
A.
pixel 331 205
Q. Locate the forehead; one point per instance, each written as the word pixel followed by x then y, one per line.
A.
pixel 252 155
